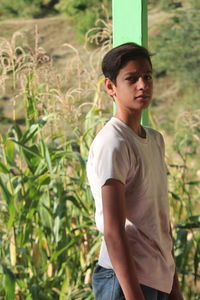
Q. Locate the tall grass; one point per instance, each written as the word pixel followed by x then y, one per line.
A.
pixel 49 244
pixel 48 237
pixel 48 234
pixel 184 184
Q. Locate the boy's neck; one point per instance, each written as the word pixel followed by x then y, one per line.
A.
pixel 133 121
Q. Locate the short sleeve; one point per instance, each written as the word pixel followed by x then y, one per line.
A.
pixel 162 144
pixel 111 160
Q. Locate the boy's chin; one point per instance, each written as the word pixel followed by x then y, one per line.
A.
pixel 141 107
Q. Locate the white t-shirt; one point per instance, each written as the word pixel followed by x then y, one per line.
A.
pixel 118 153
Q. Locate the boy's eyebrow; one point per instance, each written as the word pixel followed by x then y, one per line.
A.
pixel 136 73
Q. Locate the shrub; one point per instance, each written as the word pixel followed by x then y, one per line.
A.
pixel 26 8
pixel 176 43
pixel 48 240
pixel 85 13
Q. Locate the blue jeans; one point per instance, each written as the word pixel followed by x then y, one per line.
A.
pixel 106 287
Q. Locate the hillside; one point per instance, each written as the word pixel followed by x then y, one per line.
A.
pixel 49 34
pixel 52 84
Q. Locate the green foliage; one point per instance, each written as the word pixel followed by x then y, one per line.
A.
pixel 85 13
pixel 48 238
pixel 26 8
pixel 176 64
pixel 176 44
pixel 184 189
pixel 165 4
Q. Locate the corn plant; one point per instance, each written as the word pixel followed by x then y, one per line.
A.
pixel 184 195
pixel 48 241
pixel 48 238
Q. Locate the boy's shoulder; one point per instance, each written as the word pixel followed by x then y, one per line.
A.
pixel 109 138
pixel 116 134
pixel 155 137
pixel 153 133
pixel 111 131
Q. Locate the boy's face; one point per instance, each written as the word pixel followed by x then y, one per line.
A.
pixel 134 86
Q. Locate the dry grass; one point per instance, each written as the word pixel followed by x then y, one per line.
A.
pixel 64 90
pixel 25 38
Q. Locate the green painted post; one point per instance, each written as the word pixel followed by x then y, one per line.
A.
pixel 130 24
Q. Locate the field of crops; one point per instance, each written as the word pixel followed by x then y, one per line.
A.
pixel 48 241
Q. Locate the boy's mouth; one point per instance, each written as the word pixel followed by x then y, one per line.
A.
pixel 142 96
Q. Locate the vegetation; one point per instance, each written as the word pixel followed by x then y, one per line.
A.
pixel 82 13
pixel 49 244
pixel 47 230
pixel 85 13
pixel 174 42
pixel 177 41
pixel 27 8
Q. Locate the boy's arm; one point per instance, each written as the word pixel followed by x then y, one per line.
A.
pixel 113 197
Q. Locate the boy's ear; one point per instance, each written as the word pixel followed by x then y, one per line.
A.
pixel 110 87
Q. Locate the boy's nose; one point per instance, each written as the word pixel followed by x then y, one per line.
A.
pixel 141 83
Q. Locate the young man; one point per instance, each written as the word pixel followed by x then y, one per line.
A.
pixel 128 179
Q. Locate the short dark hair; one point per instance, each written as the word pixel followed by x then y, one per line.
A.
pixel 118 57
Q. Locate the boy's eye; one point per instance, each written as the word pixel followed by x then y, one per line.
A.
pixel 147 77
pixel 132 79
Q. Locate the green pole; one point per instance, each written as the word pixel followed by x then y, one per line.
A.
pixel 130 24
